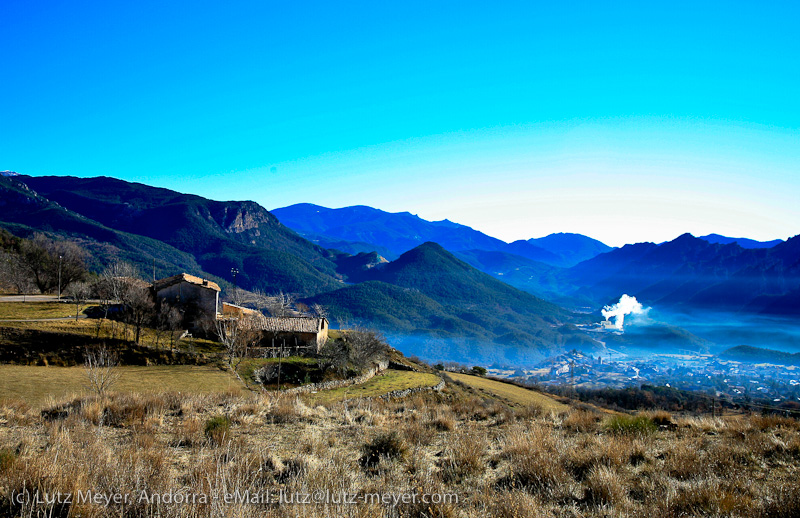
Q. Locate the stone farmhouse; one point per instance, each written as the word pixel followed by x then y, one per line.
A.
pixel 188 290
pixel 200 297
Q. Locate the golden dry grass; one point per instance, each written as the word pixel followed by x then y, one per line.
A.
pixel 37 385
pixel 510 393
pixel 381 384
pixel 104 328
pixel 497 461
pixel 25 310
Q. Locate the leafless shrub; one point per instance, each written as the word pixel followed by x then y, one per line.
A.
pixel 238 335
pixel 101 369
pixel 582 421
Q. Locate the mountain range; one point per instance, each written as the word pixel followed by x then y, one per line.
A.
pixel 431 280
pixel 691 273
pixel 425 291
pixel 355 229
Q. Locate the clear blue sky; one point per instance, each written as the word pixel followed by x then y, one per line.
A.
pixel 631 122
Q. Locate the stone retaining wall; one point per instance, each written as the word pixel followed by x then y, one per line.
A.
pixel 328 385
pixel 395 394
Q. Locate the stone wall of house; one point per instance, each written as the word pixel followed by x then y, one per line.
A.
pixel 206 299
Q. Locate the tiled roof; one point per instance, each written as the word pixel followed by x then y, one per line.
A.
pixel 185 277
pixel 292 324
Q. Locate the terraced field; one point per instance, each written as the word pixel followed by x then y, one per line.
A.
pixel 509 393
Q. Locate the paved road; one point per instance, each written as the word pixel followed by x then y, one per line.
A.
pixel 40 319
pixel 28 298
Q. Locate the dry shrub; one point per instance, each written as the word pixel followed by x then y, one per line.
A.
pixel 662 418
pixel 386 445
pixel 685 460
pixel 782 502
pixel 286 410
pixel 605 487
pixel 530 412
pixel 16 411
pixel 465 457
pixel 315 443
pixel 590 452
pixel 417 432
pixel 442 420
pixel 293 469
pixel 366 417
pixel 445 507
pixel 771 422
pixel 93 410
pixel 7 458
pixel 513 504
pixel 471 408
pixel 217 430
pixel 581 421
pixel 534 463
pixel 704 424
pixel 707 497
pixel 189 432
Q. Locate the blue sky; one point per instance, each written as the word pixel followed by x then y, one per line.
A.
pixel 625 122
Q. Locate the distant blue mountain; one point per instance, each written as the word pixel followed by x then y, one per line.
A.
pixel 741 241
pixel 690 272
pixel 353 229
pixel 397 232
pixel 573 248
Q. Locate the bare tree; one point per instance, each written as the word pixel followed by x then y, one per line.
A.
pixel 101 367
pixel 168 319
pixel 357 348
pixel 80 293
pixel 117 277
pixel 366 346
pixel 174 323
pixel 280 304
pixel 238 335
pixel 319 310
pixel 238 296
pixel 14 274
pixel 139 307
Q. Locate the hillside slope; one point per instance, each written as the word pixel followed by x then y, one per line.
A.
pixel 23 211
pixel 219 235
pixel 429 291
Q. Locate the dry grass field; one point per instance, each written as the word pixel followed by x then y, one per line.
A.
pixel 38 385
pixel 509 393
pixel 453 453
pixel 32 310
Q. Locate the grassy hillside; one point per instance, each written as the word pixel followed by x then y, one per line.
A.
pixel 39 385
pixel 453 453
pixel 510 394
pixel 427 291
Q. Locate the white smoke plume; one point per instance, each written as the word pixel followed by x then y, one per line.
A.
pixel 627 305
